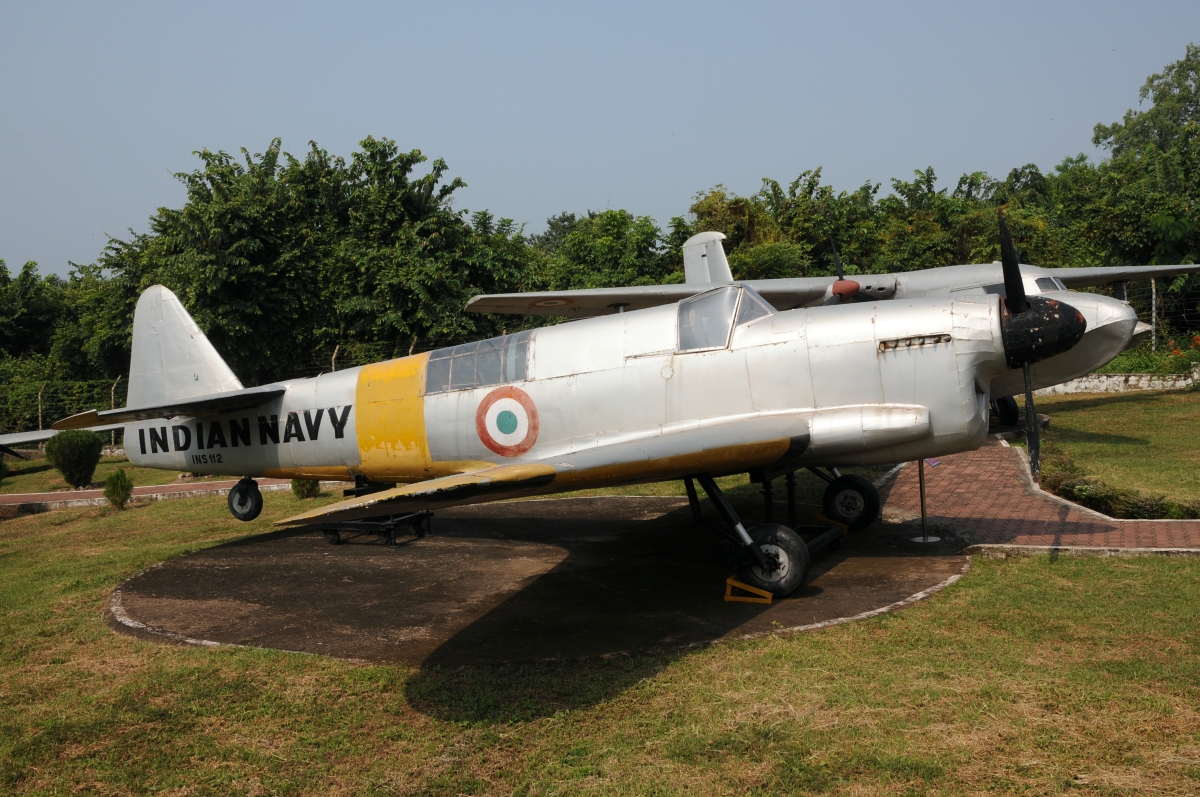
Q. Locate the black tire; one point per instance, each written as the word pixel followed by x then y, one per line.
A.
pixel 245 501
pixel 333 537
pixel 852 501
pixel 784 546
pixel 1007 411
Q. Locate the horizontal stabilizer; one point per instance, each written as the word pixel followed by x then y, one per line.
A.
pixel 215 404
pixel 490 484
pixel 8 441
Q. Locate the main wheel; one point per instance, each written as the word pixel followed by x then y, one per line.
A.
pixel 1007 411
pixel 852 501
pixel 245 501
pixel 788 550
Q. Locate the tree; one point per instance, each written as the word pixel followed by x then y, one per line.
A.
pixel 30 308
pixel 609 249
pixel 1174 96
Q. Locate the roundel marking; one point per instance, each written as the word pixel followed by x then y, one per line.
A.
pixel 553 303
pixel 507 421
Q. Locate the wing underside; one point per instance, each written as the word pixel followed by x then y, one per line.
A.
pixel 490 484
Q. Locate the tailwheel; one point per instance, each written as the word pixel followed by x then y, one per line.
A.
pixel 786 551
pixel 245 500
pixel 852 501
pixel 333 537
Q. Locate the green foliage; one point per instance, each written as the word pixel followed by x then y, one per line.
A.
pixel 607 249
pixel 306 488
pixel 773 260
pixel 30 307
pixel 75 453
pixel 118 488
pixel 1175 102
pixel 1064 477
pixel 1141 360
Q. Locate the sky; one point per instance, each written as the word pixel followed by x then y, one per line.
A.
pixel 544 108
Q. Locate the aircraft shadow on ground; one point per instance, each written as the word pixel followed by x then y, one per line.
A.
pixel 513 610
pixel 587 630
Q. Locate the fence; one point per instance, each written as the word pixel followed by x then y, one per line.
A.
pixel 30 405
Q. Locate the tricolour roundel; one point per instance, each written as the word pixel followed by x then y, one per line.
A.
pixel 507 421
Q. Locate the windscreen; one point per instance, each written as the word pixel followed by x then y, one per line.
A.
pixel 705 320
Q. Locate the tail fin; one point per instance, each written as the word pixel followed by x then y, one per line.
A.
pixel 172 359
pixel 704 259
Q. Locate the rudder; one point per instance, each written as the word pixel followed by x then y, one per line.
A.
pixel 172 358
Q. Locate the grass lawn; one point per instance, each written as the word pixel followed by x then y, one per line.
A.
pixel 1149 441
pixel 39 476
pixel 1028 676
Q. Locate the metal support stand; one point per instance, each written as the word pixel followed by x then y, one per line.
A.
pixel 768 501
pixel 418 524
pixel 924 515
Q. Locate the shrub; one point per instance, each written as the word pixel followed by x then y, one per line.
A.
pixel 75 453
pixel 306 488
pixel 118 488
pixel 1063 477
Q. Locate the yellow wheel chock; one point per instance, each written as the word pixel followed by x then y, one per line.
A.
pixel 756 595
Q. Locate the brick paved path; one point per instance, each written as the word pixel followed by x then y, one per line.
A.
pixel 988 492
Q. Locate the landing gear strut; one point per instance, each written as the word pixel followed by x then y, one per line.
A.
pixel 776 558
pixel 245 501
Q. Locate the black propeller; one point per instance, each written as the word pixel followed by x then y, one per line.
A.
pixel 837 261
pixel 843 288
pixel 1033 329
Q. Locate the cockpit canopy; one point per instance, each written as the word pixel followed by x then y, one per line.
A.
pixel 706 320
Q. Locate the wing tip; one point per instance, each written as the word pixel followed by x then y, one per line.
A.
pixel 81 420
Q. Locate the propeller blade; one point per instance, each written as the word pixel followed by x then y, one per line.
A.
pixel 1032 433
pixel 837 261
pixel 1014 288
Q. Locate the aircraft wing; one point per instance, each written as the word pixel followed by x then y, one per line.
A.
pixel 783 294
pixel 583 303
pixel 490 484
pixel 788 294
pixel 228 401
pixel 1086 277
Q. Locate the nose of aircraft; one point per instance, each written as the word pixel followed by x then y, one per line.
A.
pixel 1047 327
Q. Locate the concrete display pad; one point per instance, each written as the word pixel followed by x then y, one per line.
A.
pixel 519 581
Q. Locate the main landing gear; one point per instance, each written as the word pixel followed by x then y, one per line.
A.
pixel 850 500
pixel 774 559
pixel 245 501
